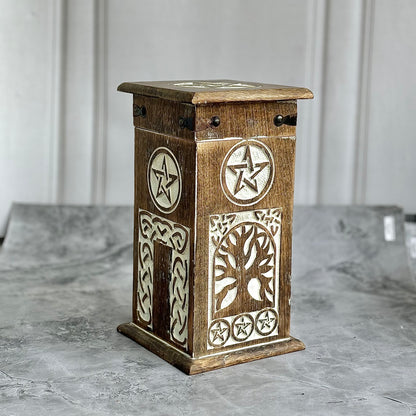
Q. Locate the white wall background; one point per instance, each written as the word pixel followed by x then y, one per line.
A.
pixel 66 135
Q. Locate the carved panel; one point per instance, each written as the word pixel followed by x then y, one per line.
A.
pixel 153 228
pixel 164 180
pixel 243 291
pixel 247 172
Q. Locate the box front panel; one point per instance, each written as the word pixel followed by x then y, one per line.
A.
pixel 163 240
pixel 244 232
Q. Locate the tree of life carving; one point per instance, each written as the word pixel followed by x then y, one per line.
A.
pixel 244 263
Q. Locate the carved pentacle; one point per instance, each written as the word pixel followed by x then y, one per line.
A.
pixel 247 172
pixel 164 180
pixel 216 85
pixel 266 321
pixel 218 333
pixel 242 327
pixel 244 270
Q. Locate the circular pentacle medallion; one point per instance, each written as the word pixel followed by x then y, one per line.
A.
pixel 228 85
pixel 164 180
pixel 266 321
pixel 218 333
pixel 247 172
pixel 242 327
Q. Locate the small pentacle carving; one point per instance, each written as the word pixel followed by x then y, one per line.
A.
pixel 164 180
pixel 266 321
pixel 244 270
pixel 216 85
pixel 218 333
pixel 242 327
pixel 247 172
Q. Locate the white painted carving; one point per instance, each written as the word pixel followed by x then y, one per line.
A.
pixel 244 252
pixel 244 267
pixel 266 321
pixel 242 327
pixel 164 180
pixel 176 236
pixel 216 85
pixel 218 333
pixel 247 172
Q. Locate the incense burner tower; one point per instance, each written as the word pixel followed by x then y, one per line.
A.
pixel 214 181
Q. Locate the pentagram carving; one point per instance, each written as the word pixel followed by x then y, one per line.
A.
pixel 226 85
pixel 242 327
pixel 266 321
pixel 247 172
pixel 164 180
pixel 218 333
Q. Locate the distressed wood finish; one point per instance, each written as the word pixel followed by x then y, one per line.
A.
pixel 214 180
pixel 192 366
pixel 162 116
pixel 253 119
pixel 215 91
pixel 211 201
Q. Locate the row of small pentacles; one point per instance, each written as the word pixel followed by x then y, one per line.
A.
pixel 241 328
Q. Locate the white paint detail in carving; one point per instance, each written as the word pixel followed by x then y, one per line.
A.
pixel 247 172
pixel 267 321
pixel 164 180
pixel 218 333
pixel 223 282
pixel 220 225
pixel 216 84
pixel 176 236
pixel 254 289
pixel 229 298
pixel 253 255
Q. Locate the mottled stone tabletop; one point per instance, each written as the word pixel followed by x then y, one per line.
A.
pixel 65 285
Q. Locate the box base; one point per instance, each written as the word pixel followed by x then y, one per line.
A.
pixel 191 365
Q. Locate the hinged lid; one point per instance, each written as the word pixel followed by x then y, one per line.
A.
pixel 215 91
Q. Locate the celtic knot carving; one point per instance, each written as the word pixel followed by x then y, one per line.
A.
pixel 153 228
pixel 166 232
pixel 270 217
pixel 220 225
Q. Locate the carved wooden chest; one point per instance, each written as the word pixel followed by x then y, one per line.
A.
pixel 214 176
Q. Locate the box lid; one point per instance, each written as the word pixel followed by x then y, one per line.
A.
pixel 215 91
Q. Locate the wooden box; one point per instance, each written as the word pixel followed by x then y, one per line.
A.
pixel 214 177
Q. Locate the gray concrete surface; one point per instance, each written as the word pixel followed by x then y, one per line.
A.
pixel 65 284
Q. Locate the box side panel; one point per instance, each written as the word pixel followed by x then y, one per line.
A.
pixel 164 116
pixel 255 119
pixel 244 241
pixel 164 234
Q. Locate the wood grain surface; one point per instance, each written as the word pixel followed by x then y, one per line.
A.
pixel 215 91
pixel 192 366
